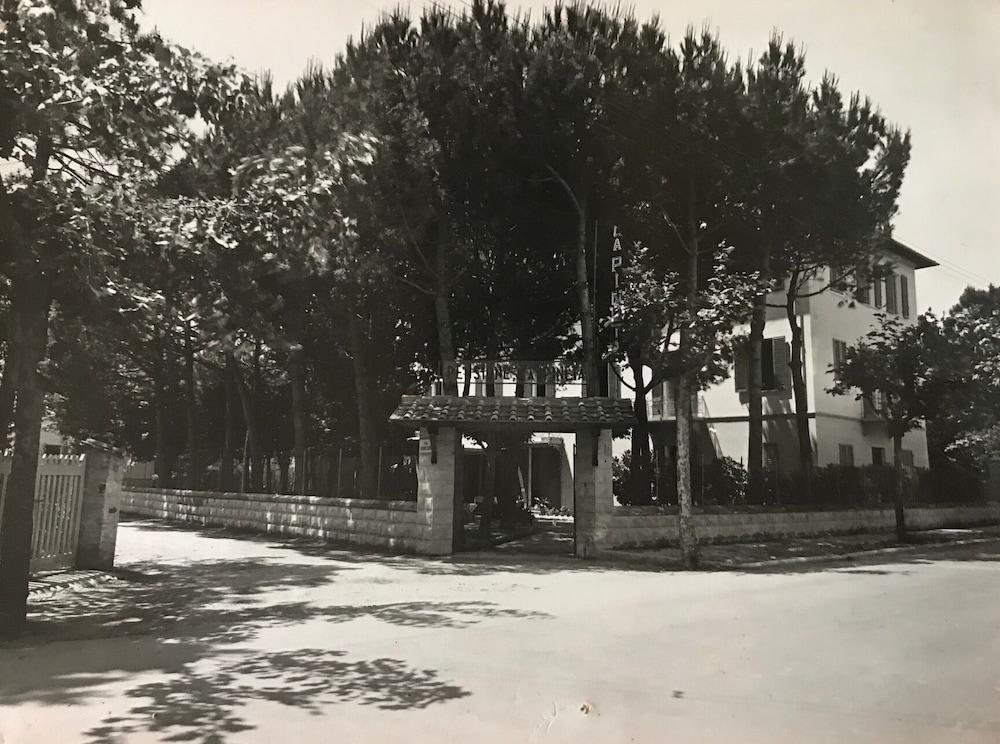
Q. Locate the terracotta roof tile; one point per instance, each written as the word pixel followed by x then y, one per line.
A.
pixel 525 413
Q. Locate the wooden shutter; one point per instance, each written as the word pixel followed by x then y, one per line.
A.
pixel 741 366
pixel 904 296
pixel 780 354
pixel 890 294
pixel 863 293
pixel 847 455
pixel 656 404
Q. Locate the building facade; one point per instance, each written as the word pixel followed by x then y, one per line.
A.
pixel 842 429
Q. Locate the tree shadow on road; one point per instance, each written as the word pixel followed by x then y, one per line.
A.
pixel 204 702
pixel 174 636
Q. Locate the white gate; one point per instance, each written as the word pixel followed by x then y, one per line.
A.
pixel 56 519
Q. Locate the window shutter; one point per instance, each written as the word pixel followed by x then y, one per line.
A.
pixel 904 296
pixel 741 365
pixel 780 354
pixel 838 354
pixel 847 455
pixel 878 293
pixel 656 405
pixel 863 294
pixel 890 294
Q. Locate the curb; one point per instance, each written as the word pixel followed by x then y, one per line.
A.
pixel 855 554
pixel 673 564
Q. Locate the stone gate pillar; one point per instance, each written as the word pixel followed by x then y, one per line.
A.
pixel 593 498
pixel 438 489
pixel 104 468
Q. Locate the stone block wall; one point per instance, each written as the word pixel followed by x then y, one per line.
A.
pixel 639 526
pixel 395 525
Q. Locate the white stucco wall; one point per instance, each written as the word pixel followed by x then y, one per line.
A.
pixel 834 420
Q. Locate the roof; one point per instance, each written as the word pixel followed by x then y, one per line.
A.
pixel 919 260
pixel 525 414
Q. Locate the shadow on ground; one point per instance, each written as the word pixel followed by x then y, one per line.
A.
pixel 173 637
pixel 204 702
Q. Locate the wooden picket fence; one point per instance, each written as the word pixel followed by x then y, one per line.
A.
pixel 58 501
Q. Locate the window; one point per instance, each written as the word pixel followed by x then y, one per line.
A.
pixel 839 279
pixel 878 293
pixel 878 455
pixel 863 294
pixel 775 374
pixel 906 459
pixel 771 454
pixel 767 381
pixel 52 449
pixel 839 354
pixel 874 408
pixel 847 455
pixel 904 296
pixel 656 403
pixel 890 294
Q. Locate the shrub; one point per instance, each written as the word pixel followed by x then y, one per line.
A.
pixel 721 482
pixel 630 486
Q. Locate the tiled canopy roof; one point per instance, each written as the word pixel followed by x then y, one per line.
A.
pixel 526 414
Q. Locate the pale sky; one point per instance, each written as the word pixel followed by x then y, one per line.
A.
pixel 931 65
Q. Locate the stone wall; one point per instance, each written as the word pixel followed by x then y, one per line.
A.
pixel 396 525
pixel 638 526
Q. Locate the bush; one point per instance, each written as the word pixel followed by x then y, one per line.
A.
pixel 630 486
pixel 721 482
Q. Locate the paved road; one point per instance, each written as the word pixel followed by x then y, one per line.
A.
pixel 213 639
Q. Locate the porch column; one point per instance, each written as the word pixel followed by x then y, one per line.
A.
pixel 101 499
pixel 438 489
pixel 592 487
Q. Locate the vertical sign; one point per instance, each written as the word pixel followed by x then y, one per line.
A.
pixel 616 263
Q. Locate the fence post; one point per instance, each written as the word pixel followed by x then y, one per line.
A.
pixel 101 499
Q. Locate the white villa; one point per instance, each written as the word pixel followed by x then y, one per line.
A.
pixel 843 431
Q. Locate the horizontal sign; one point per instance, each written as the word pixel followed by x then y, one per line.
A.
pixel 529 371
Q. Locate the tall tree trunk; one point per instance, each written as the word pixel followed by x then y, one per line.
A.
pixel 245 464
pixel 251 448
pixel 588 326
pixel 641 461
pixel 488 496
pixel 228 458
pixel 258 399
pixel 755 396
pixel 685 386
pixel 163 463
pixel 268 475
pixel 897 490
pixel 30 310
pixel 296 363
pixel 367 427
pixel 491 372
pixel 442 313
pixel 799 391
pixel 283 462
pixel 191 405
pixel 7 394
pixel 467 381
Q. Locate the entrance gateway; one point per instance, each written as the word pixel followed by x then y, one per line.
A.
pixel 442 420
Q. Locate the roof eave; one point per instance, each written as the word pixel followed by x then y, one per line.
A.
pixel 919 260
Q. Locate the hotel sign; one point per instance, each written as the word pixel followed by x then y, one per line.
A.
pixel 542 372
